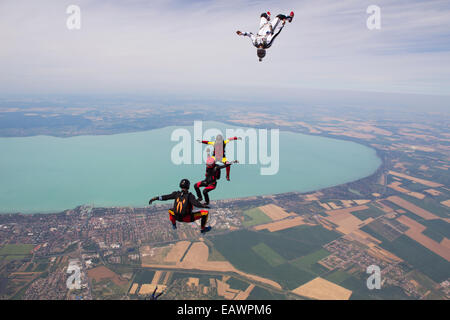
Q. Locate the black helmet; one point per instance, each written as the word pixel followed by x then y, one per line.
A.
pixel 185 184
pixel 261 53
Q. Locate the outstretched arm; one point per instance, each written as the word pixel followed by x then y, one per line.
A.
pixel 221 166
pixel 231 139
pixel 245 34
pixel 205 141
pixel 164 197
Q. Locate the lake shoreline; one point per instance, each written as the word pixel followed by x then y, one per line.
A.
pixel 263 194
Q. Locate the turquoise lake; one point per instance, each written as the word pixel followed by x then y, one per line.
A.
pixel 49 174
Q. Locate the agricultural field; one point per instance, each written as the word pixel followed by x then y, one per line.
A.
pixel 277 255
pixel 12 252
pixel 254 217
pixel 270 256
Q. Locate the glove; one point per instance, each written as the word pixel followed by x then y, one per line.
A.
pixel 152 199
pixel 235 161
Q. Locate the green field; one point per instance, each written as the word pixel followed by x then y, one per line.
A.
pixel 267 254
pixel 16 249
pixel 337 276
pixel 254 217
pixel 259 293
pixel 214 255
pixel 372 212
pixel 238 284
pixel 308 262
pixel 144 276
pixel 271 257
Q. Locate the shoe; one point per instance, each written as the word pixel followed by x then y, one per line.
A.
pixel 174 226
pixel 206 229
pixel 228 178
pixel 200 199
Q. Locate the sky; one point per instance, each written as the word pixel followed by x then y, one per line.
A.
pixel 190 47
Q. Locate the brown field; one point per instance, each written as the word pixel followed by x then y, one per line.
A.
pixel 347 203
pixel 400 165
pixel 157 276
pixel 312 197
pixel 103 273
pixel 362 237
pixel 361 202
pixel 384 207
pixel 133 288
pixel 166 277
pixel 421 181
pixel 446 203
pixel 334 206
pixel 282 224
pixel 346 222
pixel 396 186
pixel 275 212
pixel 322 289
pixel 177 251
pixel 371 128
pixel 417 195
pixel 197 259
pixel 309 127
pixel 413 225
pixel 433 192
pixel 412 207
pixel 193 282
pixel 325 206
pixel 224 290
pixel 148 288
pixel 243 295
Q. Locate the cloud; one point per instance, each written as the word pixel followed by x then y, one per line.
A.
pixel 191 47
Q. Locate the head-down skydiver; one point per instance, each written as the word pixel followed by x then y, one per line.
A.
pixel 268 31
